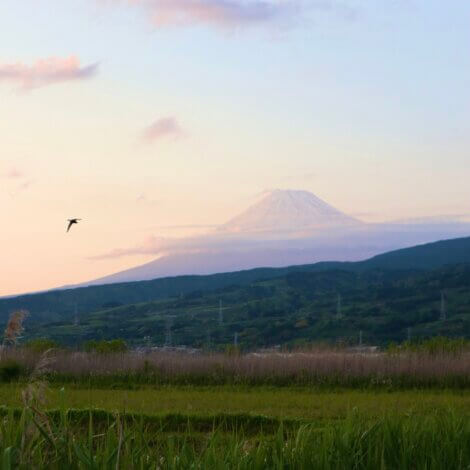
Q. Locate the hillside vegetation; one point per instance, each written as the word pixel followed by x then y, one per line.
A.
pixel 297 308
pixel 392 297
pixel 63 303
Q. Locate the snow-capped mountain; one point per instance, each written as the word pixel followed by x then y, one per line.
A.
pixel 281 211
pixel 283 228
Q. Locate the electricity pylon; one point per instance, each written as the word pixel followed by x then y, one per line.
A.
pixel 221 315
pixel 443 307
pixel 339 307
pixel 168 333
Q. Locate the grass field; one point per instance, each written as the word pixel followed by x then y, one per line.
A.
pixel 66 440
pixel 292 402
pixel 306 411
pixel 234 428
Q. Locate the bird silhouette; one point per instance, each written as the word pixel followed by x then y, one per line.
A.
pixel 71 222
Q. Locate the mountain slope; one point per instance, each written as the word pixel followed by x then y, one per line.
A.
pixel 298 307
pixel 60 304
pixel 233 252
pixel 284 228
pixel 288 211
pixel 427 256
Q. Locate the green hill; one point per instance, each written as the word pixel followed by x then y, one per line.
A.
pixel 297 308
pixel 59 305
pixel 428 256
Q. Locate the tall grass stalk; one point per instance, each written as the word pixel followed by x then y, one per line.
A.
pixel 440 440
pixel 328 368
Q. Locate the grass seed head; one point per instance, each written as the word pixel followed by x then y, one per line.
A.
pixel 14 327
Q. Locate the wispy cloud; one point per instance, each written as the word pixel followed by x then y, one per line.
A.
pixel 235 14
pixel 26 184
pixel 188 226
pixel 19 180
pixel 46 72
pixel 152 245
pixel 163 128
pixel 338 244
pixel 220 13
pixel 159 246
pixel 13 174
pixel 215 242
pixel 144 199
pixel 224 14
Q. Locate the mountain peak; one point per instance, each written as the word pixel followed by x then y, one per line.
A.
pixel 289 210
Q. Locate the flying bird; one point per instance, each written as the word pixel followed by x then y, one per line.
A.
pixel 71 222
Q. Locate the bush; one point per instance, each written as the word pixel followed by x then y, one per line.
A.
pixel 232 350
pixel 433 346
pixel 106 347
pixel 41 345
pixel 10 370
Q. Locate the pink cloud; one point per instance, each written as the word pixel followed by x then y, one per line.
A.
pixel 14 174
pixel 236 14
pixel 222 13
pixel 46 72
pixel 163 128
pixel 226 14
pixel 19 180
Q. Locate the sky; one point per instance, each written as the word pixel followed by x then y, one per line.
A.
pixel 151 118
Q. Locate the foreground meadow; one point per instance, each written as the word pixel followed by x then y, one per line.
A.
pixel 281 403
pixel 324 410
pixel 86 440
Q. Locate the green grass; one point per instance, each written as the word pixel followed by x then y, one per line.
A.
pixel 234 428
pixel 273 402
pixel 130 380
pixel 96 441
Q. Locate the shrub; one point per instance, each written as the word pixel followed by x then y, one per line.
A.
pixel 40 345
pixel 433 346
pixel 232 350
pixel 106 347
pixel 10 370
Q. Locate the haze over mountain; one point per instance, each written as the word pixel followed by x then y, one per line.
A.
pixel 284 228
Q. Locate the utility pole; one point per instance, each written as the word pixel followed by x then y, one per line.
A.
pixel 339 307
pixel 168 335
pixel 75 322
pixel 221 315
pixel 443 306
pixel 147 341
